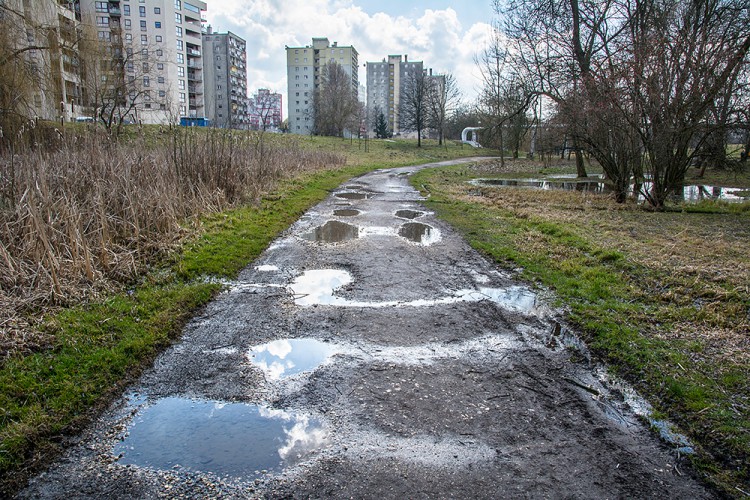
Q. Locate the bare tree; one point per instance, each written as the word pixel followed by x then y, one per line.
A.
pixel 266 107
pixel 414 112
pixel 442 99
pixel 334 102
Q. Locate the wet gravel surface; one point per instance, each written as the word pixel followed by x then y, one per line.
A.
pixel 372 358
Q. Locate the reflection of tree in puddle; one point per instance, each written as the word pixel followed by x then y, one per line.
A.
pixel 346 212
pixel 333 232
pixel 419 233
pixel 409 214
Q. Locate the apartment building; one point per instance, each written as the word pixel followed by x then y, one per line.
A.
pixel 225 82
pixel 304 73
pixel 48 79
pixel 265 110
pixel 162 52
pixel 385 84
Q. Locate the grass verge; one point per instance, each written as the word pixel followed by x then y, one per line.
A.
pixel 663 298
pixel 96 349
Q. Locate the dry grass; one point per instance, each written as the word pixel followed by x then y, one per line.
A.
pixel 84 214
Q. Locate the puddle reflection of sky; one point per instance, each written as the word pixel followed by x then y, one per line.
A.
pixel 232 439
pixel 286 357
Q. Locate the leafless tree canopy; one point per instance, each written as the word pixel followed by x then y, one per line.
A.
pixel 334 103
pixel 414 112
pixel 443 97
pixel 642 84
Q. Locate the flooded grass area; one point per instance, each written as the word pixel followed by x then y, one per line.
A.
pixel 663 297
pixel 227 439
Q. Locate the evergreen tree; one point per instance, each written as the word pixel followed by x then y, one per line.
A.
pixel 381 127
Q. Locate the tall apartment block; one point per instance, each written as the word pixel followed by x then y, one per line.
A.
pixel 265 110
pixel 225 82
pixel 162 53
pixel 304 71
pixel 385 84
pixel 49 79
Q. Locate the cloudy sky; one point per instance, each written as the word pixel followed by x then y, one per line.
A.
pixel 446 35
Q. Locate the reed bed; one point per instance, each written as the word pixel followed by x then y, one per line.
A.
pixel 81 213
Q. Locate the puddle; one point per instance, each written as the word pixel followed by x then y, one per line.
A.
pixel 318 287
pixel 409 214
pixel 266 268
pixel 333 232
pixel 346 212
pixel 691 193
pixel 351 196
pixel 286 357
pixel 419 233
pixel 228 439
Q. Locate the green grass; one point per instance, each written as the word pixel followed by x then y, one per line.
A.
pixel 99 348
pixel 627 303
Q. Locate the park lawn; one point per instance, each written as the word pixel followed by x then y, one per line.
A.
pixel 662 297
pixel 96 349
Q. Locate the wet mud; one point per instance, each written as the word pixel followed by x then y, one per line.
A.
pixel 398 363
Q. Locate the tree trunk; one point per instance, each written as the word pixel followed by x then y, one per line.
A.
pixel 580 167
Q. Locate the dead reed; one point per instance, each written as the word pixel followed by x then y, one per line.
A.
pixel 83 213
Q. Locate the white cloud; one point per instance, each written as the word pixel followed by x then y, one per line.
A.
pixel 436 37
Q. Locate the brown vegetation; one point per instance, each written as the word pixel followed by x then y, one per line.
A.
pixel 80 213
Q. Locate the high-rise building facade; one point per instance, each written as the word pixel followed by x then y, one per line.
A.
pixel 265 110
pixel 304 73
pixel 162 53
pixel 385 85
pixel 225 83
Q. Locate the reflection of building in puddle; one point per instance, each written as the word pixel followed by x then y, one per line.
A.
pixel 318 287
pixel 286 357
pixel 233 439
pixel 419 233
pixel 333 232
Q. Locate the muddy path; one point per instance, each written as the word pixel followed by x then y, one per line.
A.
pixel 371 353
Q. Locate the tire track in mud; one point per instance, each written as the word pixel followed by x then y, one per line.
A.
pixel 371 353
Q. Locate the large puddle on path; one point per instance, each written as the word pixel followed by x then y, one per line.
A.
pixel 228 439
pixel 351 196
pixel 409 214
pixel 419 233
pixel 318 287
pixel 333 232
pixel 286 357
pixel 346 212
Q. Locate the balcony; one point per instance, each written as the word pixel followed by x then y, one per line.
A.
pixel 192 77
pixel 114 11
pixel 193 52
pixel 192 63
pixel 195 89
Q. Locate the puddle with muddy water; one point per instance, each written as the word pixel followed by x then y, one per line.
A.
pixel 286 357
pixel 318 287
pixel 333 232
pixel 691 193
pixel 419 233
pixel 351 196
pixel 346 212
pixel 409 214
pixel 227 439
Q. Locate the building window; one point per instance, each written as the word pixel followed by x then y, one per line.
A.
pixel 181 84
pixel 182 96
pixel 180 59
pixel 127 24
pixel 104 35
pixel 162 93
pixel 178 18
pixel 143 25
pixel 142 11
pixel 128 37
pixel 101 7
pixel 157 10
pixel 178 31
pixel 145 81
pixel 145 67
pixel 158 38
pixel 126 10
pixel 157 24
pixel 160 67
pixel 178 4
pixel 159 52
pixel 102 21
pixel 161 80
pixel 144 39
pixel 183 110
pixel 179 45
pixel 180 71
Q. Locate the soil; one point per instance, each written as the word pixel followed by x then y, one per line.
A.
pixel 449 378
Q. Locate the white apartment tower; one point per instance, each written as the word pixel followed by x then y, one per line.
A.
pixel 162 50
pixel 385 84
pixel 304 71
pixel 225 82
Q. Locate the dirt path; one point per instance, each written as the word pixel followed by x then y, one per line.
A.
pixel 371 353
